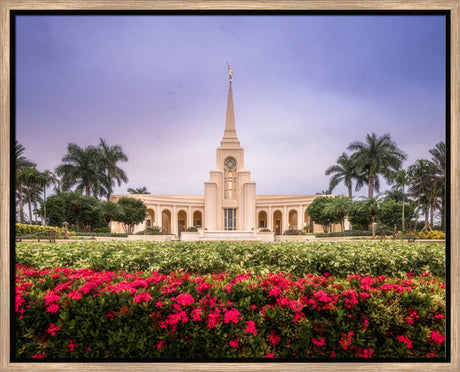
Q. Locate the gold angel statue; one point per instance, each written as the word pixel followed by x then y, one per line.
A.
pixel 230 72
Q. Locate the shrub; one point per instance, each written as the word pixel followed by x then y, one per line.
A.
pixel 435 234
pixel 391 258
pixel 294 232
pixel 104 230
pixel 265 230
pixel 24 229
pixel 66 313
pixel 191 229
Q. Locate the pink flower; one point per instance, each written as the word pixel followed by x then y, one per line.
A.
pixel 76 295
pixel 333 354
pixel 51 297
pixel 185 299
pixel 318 343
pixel 52 329
pixel 53 308
pixel 274 339
pixel 439 316
pixel 231 316
pixel 251 327
pixel 405 340
pixel 158 304
pixel 203 287
pixel 70 346
pixel 160 344
pixel 269 355
pixel 142 297
pixel 234 343
pixel 213 318
pixel 436 337
pixel 196 314
pixel 19 302
pixel 40 355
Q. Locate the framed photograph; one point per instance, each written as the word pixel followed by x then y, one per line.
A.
pixel 230 185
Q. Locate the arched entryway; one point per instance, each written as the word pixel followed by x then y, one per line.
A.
pixel 197 219
pixel 293 218
pixel 181 221
pixel 262 219
pixel 150 218
pixel 278 222
pixel 166 221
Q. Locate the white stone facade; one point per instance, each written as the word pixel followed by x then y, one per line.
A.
pixel 230 203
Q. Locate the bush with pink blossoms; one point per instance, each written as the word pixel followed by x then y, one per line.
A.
pixel 70 313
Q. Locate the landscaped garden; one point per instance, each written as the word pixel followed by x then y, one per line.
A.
pixel 185 300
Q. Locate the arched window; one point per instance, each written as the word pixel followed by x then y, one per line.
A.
pixel 230 178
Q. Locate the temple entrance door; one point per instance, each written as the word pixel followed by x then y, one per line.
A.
pixel 277 227
pixel 181 222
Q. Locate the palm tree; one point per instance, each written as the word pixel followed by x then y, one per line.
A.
pixel 138 190
pixel 344 171
pixel 111 155
pixel 421 175
pixel 439 160
pixel 29 178
pixel 377 155
pixel 22 163
pixel 340 206
pixel 46 179
pixel 401 180
pixel 82 167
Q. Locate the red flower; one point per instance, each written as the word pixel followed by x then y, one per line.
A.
pixel 251 327
pixel 436 337
pixel 142 297
pixel 274 339
pixel 51 297
pixel 185 299
pixel 52 329
pixel 160 344
pixel 70 346
pixel 53 308
pixel 232 315
pixel 40 355
pixel 318 343
pixel 76 295
pixel 234 343
pixel 406 340
pixel 269 355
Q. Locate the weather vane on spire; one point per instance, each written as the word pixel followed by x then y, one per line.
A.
pixel 230 73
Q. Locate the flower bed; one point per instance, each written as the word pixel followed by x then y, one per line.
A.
pixel 69 313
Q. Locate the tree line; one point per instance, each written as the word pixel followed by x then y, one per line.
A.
pixel 85 176
pixel 421 185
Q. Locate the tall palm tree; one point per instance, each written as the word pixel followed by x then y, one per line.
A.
pixel 401 180
pixel 377 155
pixel 30 183
pixel 439 160
pixel 22 163
pixel 344 171
pixel 82 167
pixel 46 179
pixel 138 190
pixel 421 176
pixel 111 155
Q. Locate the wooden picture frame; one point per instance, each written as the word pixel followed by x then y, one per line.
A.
pixel 7 5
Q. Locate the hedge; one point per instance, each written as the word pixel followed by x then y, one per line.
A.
pixel 391 258
pixel 68 313
pixel 25 229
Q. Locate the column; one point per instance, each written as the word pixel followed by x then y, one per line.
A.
pixel 270 219
pixel 174 226
pixel 189 217
pixel 285 219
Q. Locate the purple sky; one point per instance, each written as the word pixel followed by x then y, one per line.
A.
pixel 304 87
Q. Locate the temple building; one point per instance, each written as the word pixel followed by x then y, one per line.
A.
pixel 230 207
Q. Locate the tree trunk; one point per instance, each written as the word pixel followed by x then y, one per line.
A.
pixel 44 205
pixel 30 211
pixel 88 190
pixel 350 192
pixel 371 187
pixel 21 205
pixel 403 212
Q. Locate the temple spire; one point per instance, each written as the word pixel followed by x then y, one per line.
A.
pixel 230 131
